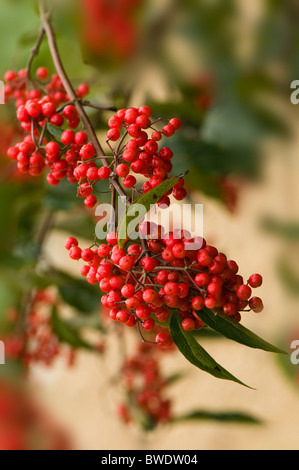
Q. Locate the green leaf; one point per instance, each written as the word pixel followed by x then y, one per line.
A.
pixel 196 354
pixel 226 417
pixel 146 201
pixel 79 294
pixel 66 333
pixel 233 330
pixel 55 131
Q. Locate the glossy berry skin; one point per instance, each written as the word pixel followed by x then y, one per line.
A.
pixel 90 201
pixel 75 253
pixel 70 241
pixel 104 173
pixel 256 304
pixel 255 280
pixel 243 292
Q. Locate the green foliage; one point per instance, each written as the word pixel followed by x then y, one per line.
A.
pixel 233 330
pixel 195 353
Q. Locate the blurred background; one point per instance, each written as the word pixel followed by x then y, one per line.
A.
pixel 225 69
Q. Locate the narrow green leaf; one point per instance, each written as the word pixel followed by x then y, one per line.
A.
pixel 67 333
pixel 226 417
pixel 233 330
pixel 55 131
pixel 196 354
pixel 146 201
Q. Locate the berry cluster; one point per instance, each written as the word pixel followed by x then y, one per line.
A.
pixel 144 385
pixel 36 107
pixel 39 343
pixel 135 151
pixel 142 285
pixel 117 36
pixel 24 425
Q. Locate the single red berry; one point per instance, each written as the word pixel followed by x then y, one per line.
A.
pixel 243 292
pixel 112 238
pixel 122 170
pixel 148 263
pixel 129 181
pixel 92 173
pixel 113 134
pixel 256 304
pixel 197 302
pixel 70 112
pixel 67 137
pixel 163 340
pixel 204 258
pixel 42 73
pixel 143 312
pixel 176 123
pixel 255 280
pixel 70 241
pixel 148 324
pixel 210 302
pixel 188 324
pixel 87 254
pixel 122 316
pixel 128 290
pixel 75 252
pixel 87 151
pixel 126 263
pixel 229 309
pixel 104 172
pixel 214 289
pixel 171 289
pixel 202 279
pixel 80 138
pixel 90 201
pixel 131 322
pixel 115 123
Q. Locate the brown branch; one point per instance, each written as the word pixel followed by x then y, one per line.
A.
pixel 34 52
pixel 47 26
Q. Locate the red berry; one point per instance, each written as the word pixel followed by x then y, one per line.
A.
pixel 104 172
pixel 90 201
pixel 163 340
pixel 87 151
pixel 197 302
pixel 70 112
pixel 171 289
pixel 129 181
pixel 204 258
pixel 71 241
pixel 188 324
pixel 148 264
pixel 128 290
pixel 126 263
pixel 80 138
pixel 148 324
pixel 255 280
pixel 113 134
pixel 122 170
pixel 243 292
pixel 87 254
pixel 42 73
pixel 75 252
pixel 67 137
pixel 176 123
pixel 256 304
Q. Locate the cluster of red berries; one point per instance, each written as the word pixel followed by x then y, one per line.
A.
pixel 144 385
pixel 36 107
pixel 23 425
pixel 143 286
pixel 117 36
pixel 39 343
pixel 139 154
